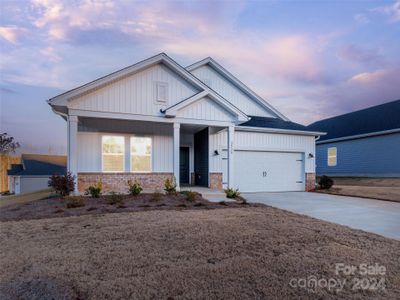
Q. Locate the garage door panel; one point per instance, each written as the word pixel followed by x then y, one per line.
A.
pixel 258 171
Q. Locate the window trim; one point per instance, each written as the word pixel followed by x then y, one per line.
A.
pixel 130 153
pixel 331 156
pixel 123 153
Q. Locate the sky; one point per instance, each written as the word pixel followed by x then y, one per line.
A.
pixel 309 59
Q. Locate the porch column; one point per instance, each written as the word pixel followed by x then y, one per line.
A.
pixel 231 133
pixel 177 128
pixel 72 148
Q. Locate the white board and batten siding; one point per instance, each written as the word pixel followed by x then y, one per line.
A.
pixel 229 91
pixel 274 162
pixel 135 94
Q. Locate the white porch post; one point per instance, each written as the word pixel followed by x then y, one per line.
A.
pixel 72 148
pixel 231 133
pixel 177 128
pixel 10 184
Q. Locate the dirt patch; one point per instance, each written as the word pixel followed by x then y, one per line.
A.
pixel 373 192
pixel 233 253
pixel 57 207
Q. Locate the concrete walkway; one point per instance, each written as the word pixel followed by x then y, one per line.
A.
pixel 380 217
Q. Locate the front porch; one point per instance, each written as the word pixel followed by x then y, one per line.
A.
pixel 108 150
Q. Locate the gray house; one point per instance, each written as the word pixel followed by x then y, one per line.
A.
pixel 364 143
pixel 34 171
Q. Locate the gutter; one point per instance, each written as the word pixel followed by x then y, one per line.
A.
pixel 360 136
pixel 277 130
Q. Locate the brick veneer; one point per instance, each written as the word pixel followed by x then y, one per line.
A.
pixel 310 182
pixel 216 180
pixel 118 181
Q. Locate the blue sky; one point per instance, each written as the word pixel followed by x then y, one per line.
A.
pixel 310 59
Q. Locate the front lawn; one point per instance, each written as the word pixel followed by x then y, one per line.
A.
pixel 234 253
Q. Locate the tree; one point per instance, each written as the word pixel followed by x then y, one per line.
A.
pixel 7 144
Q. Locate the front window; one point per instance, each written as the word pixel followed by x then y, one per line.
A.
pixel 332 156
pixel 113 148
pixel 140 154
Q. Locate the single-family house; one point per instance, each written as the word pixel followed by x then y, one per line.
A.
pixel 200 125
pixel 33 173
pixel 364 143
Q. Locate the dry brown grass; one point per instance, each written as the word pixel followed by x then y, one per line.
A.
pixel 233 253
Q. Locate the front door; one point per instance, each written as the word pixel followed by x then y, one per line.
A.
pixel 201 157
pixel 184 165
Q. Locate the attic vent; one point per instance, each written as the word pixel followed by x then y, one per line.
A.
pixel 161 92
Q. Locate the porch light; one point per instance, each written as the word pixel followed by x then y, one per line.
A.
pixel 216 152
pixel 310 155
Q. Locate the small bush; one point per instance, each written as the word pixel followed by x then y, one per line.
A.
pixel 325 182
pixel 157 195
pixel 63 185
pixel 135 188
pixel 74 202
pixel 170 186
pixel 115 198
pixel 190 195
pixel 232 193
pixel 94 190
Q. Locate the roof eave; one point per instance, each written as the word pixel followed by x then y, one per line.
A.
pixel 359 136
pixel 278 130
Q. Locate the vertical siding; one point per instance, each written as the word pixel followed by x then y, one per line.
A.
pixel 89 152
pixel 373 156
pixel 136 93
pixel 230 91
pixel 205 109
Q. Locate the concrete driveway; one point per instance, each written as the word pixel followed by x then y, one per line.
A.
pixel 381 217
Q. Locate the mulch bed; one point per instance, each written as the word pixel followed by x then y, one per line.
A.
pixel 57 207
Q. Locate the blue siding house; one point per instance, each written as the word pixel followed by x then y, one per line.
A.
pixel 364 143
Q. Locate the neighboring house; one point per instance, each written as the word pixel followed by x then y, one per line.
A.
pixel 364 143
pixel 34 171
pixel 155 120
pixel 6 161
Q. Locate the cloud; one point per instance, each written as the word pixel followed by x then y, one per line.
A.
pixel 361 19
pixel 369 77
pixel 356 53
pixel 51 54
pixel 12 34
pixel 392 11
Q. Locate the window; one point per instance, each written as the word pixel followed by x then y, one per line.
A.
pixel 332 156
pixel 161 92
pixel 140 154
pixel 113 148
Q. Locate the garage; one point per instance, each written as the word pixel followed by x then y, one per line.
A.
pixel 262 171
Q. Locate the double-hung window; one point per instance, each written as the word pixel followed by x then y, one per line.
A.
pixel 113 153
pixel 140 154
pixel 332 156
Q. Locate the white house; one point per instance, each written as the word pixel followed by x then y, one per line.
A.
pixel 156 119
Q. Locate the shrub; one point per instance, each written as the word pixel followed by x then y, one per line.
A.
pixel 63 185
pixel 114 198
pixel 190 195
pixel 73 202
pixel 94 190
pixel 232 193
pixel 157 195
pixel 325 182
pixel 170 186
pixel 135 188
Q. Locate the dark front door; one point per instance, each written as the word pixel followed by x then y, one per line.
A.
pixel 201 157
pixel 184 165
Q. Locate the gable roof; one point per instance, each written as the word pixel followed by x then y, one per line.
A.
pixel 236 82
pixel 373 120
pixel 44 165
pixel 266 122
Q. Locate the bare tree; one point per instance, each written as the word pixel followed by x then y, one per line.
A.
pixel 7 144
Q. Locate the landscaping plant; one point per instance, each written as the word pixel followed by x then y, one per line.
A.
pixel 115 198
pixel 94 190
pixel 190 195
pixel 75 201
pixel 325 182
pixel 232 193
pixel 157 195
pixel 63 185
pixel 170 186
pixel 135 188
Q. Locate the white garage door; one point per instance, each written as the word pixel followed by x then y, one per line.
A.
pixel 257 171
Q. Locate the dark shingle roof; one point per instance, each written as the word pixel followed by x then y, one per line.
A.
pixel 36 168
pixel 374 119
pixel 264 122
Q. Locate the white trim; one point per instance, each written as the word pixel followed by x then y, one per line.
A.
pixel 277 130
pixel 359 136
pixel 268 149
pixel 237 83
pixel 130 153
pixel 123 153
